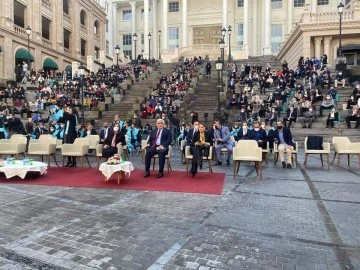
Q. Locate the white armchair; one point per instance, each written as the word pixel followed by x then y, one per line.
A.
pixel 343 146
pixel 189 156
pixel 93 141
pixel 294 153
pixel 80 148
pixel 14 146
pixel 324 151
pixel 44 146
pixel 167 157
pixel 247 150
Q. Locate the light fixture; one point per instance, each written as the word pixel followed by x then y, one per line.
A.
pixel 222 44
pixel 149 36
pixel 135 37
pixel 219 64
pixel 117 49
pixel 28 30
pixel 81 69
pixel 341 8
pixel 223 32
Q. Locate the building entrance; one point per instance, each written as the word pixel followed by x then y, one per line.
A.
pixel 207 35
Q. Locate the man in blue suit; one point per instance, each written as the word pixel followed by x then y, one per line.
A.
pixel 285 143
pixel 222 140
pixel 158 144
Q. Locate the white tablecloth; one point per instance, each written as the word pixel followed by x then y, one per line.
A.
pixel 18 169
pixel 108 170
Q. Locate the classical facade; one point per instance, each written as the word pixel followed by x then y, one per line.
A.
pixel 317 34
pixel 64 33
pixel 190 28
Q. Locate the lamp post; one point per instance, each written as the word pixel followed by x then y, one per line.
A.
pixel 149 37
pixel 222 49
pixel 159 43
pixel 229 33
pixel 341 10
pixel 28 32
pixel 135 39
pixel 219 66
pixel 223 33
pixel 117 51
pixel 81 69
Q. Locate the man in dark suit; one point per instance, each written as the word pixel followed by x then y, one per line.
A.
pixel 158 144
pixel 190 135
pixel 285 143
pixel 258 134
pixel 105 132
pixel 290 116
pixel 243 133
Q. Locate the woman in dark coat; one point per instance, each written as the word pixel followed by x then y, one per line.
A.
pixel 111 142
pixel 199 148
pixel 70 119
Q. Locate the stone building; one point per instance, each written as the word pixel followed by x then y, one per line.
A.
pixel 188 28
pixel 64 33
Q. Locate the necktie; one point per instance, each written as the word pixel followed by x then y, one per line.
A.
pixel 156 138
pixel 220 133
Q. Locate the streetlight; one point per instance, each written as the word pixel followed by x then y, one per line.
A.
pixel 219 66
pixel 149 37
pixel 223 33
pixel 135 39
pixel 117 51
pixel 159 43
pixel 229 33
pixel 28 32
pixel 81 69
pixel 341 10
pixel 222 48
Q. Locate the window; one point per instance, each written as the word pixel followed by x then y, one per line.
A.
pixel 299 3
pixel 19 14
pixel 276 4
pixel 107 48
pixel 173 6
pixel 322 2
pixel 66 6
pixel 66 39
pixel 173 37
pixel 127 15
pixel 240 34
pixel 142 14
pixel 83 18
pixel 83 47
pixel 107 27
pixel 127 42
pixel 96 53
pixel 96 27
pixel 45 28
pixel 276 37
pixel 240 3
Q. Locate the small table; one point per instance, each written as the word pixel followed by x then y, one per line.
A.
pixel 122 168
pixel 21 170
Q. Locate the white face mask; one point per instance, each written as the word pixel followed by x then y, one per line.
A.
pixel 244 127
pixel 262 126
pixel 256 129
pixel 196 127
pixel 116 129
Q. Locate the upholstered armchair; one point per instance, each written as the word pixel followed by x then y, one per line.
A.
pixel 343 146
pixel 247 151
pixel 189 157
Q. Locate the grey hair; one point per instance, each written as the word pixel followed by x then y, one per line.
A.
pixel 161 120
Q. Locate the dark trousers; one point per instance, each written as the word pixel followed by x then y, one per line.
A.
pixel 324 108
pixel 330 122
pixel 150 153
pixel 352 118
pixel 290 121
pixel 198 153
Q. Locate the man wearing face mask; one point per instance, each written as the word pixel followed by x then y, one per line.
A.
pixel 190 135
pixel 269 132
pixel 222 140
pixel 340 78
pixel 285 143
pixel 14 124
pixel 259 135
pixel 328 103
pixel 350 103
pixel 113 141
pixel 271 116
pixel 308 118
pixel 353 115
pixel 105 132
pixel 243 133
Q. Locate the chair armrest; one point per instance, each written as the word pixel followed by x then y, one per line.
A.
pixel 67 147
pixel 99 149
pixel 4 141
pixel 326 146
pixel 336 147
pixel 355 146
pixel 7 147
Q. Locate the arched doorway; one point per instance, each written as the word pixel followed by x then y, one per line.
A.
pixel 22 55
pixel 49 64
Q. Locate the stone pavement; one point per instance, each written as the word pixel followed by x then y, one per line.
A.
pixel 292 219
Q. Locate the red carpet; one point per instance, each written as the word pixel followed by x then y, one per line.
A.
pixel 175 181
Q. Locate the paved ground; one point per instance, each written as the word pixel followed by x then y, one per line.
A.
pixel 293 219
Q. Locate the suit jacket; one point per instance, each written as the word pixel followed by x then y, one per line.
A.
pixel 165 139
pixel 102 133
pixel 261 132
pixel 120 138
pixel 196 138
pixel 287 136
pixel 70 121
pixel 293 115
pixel 224 134
pixel 241 136
pixel 270 135
pixel 92 132
pixel 189 136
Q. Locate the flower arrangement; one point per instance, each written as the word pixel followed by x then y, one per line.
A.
pixel 114 160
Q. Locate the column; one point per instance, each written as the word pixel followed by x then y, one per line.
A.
pixel 313 6
pixel 224 17
pixel 246 22
pixel 146 28
pixel 317 46
pixel 290 16
pixel 114 39
pixel 255 30
pixel 154 37
pixel 267 29
pixel 327 41
pixel 164 31
pixel 133 28
pixel 184 23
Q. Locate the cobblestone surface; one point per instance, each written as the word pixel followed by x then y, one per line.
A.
pixel 292 219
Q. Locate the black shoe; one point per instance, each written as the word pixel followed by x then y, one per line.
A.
pixel 309 126
pixel 303 126
pixel 283 164
pixel 72 165
pixel 68 164
pixel 200 166
pixel 288 166
pixel 228 162
pixel 219 163
pixel 146 174
pixel 160 174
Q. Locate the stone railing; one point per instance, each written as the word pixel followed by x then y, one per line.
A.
pixel 46 42
pixel 20 31
pixel 47 4
pixel 329 17
pixel 67 17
